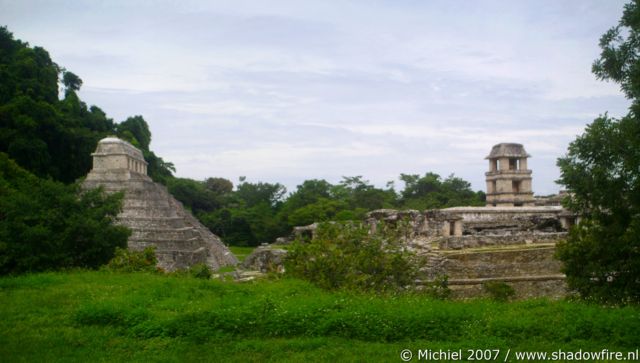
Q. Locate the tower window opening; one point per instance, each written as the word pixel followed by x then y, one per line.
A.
pixel 513 164
pixel 515 186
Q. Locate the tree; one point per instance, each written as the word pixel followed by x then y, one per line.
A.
pixel 322 210
pixel 47 136
pixel 159 170
pixel 46 225
pixel 218 186
pixel 71 81
pixel 360 194
pixel 253 194
pixel 193 195
pixel 601 170
pixel 136 130
pixel 430 191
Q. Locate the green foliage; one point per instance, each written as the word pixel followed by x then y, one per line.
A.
pixel 323 210
pixel 159 170
pixel 200 271
pixel 259 212
pixel 499 290
pixel 48 137
pixel 253 194
pixel 439 288
pixel 24 71
pixel 620 57
pixel 348 256
pixel 151 317
pixel 135 130
pixel 71 81
pixel 126 260
pixel 358 193
pixel 194 194
pixel 219 186
pixel 47 225
pixel 430 192
pixel 602 173
pixel 246 217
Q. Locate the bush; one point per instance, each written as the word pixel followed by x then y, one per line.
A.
pixel 499 290
pixel 349 256
pixel 126 260
pixel 200 271
pixel 439 288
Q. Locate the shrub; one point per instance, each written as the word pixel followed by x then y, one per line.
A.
pixel 349 256
pixel 499 290
pixel 200 271
pixel 439 288
pixel 126 260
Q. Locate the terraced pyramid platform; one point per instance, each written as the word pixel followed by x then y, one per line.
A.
pixel 154 216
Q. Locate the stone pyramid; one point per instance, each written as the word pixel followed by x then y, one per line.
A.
pixel 154 216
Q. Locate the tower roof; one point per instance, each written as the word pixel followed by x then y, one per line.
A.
pixel 507 150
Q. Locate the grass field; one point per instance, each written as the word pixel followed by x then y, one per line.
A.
pixel 241 252
pixel 102 316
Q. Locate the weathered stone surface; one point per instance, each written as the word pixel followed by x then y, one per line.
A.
pixel 552 286
pixel 472 245
pixel 265 259
pixel 150 211
pixel 508 179
pixel 501 263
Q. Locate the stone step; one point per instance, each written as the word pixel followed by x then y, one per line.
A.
pixel 130 212
pixel 153 222
pixel 151 234
pixel 147 204
pixel 187 245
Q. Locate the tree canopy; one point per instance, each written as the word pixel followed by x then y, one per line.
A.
pixel 602 173
pixel 260 212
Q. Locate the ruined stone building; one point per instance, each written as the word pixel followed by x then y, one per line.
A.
pixel 512 239
pixel 154 216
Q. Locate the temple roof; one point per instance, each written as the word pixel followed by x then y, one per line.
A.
pixel 508 150
pixel 114 146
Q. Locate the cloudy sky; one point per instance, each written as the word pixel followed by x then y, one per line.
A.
pixel 283 91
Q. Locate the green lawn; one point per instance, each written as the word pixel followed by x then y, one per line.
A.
pixel 101 316
pixel 241 252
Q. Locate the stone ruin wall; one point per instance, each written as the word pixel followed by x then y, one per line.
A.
pixel 474 245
